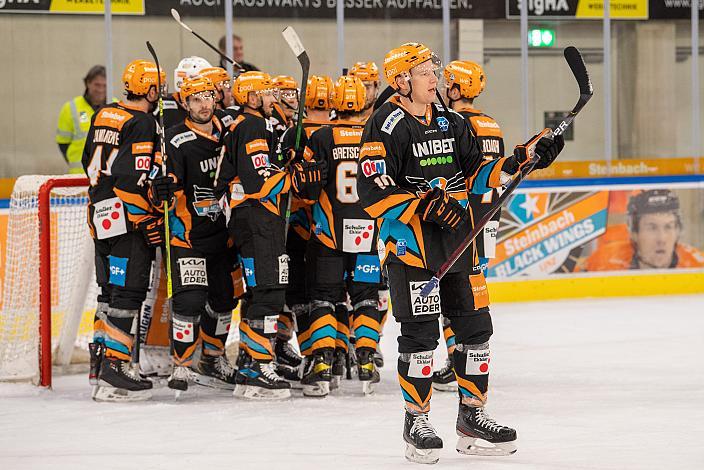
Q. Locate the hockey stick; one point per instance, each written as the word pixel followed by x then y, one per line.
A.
pixel 579 70
pixel 177 17
pixel 294 42
pixel 383 97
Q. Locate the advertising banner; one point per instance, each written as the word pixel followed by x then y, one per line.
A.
pixel 86 7
pixel 579 9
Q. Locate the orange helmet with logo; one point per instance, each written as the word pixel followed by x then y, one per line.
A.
pixel 191 86
pixel 319 92
pixel 349 94
pixel 365 71
pixel 215 74
pixel 467 75
pixel 285 82
pixel 402 59
pixel 140 75
pixel 250 82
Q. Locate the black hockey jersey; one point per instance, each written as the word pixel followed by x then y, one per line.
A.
pixel 248 172
pixel 339 220
pixel 174 113
pixel 192 156
pixel 404 156
pixel 279 121
pixel 228 115
pixel 117 158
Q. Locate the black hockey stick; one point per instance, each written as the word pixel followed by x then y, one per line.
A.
pixel 383 97
pixel 579 70
pixel 177 17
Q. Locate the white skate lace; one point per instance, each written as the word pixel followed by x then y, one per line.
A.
pixel 269 372
pixel 289 351
pixel 181 373
pixel 223 366
pixel 422 427
pixel 446 368
pixel 487 422
pixel 129 371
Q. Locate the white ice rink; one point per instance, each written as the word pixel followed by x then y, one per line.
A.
pixel 598 384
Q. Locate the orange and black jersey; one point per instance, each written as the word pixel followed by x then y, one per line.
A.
pixel 195 221
pixel 174 112
pixel 339 221
pixel 491 143
pixel 402 157
pixel 279 120
pixel 248 172
pixel 117 158
pixel 228 115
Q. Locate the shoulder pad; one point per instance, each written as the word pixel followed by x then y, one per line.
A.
pixel 392 120
pixel 182 138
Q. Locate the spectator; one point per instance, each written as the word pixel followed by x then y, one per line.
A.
pixel 75 116
pixel 237 54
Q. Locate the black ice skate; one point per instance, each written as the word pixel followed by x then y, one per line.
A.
pixel 285 354
pixel 444 379
pixel 317 374
pixel 379 357
pixel 338 368
pixel 215 372
pixel 118 381
pixel 258 381
pixel 481 435
pixel 180 378
pixel 422 441
pixel 96 350
pixel 366 370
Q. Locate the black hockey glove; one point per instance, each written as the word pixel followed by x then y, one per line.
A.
pixel 548 150
pixel 163 188
pixel 439 207
pixel 308 177
pixel 153 231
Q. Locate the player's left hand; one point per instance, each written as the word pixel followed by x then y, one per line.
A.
pixel 307 173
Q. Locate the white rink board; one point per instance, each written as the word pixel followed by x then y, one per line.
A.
pixel 594 384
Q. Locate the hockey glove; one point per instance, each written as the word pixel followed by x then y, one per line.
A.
pixel 163 188
pixel 153 230
pixel 548 150
pixel 308 177
pixel 439 207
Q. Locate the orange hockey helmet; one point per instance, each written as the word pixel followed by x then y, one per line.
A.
pixel 319 92
pixel 140 75
pixel 285 82
pixel 365 71
pixel 215 74
pixel 467 75
pixel 192 86
pixel 402 59
pixel 250 82
pixel 349 94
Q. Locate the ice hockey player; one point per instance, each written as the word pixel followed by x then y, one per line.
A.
pixel 202 300
pixel 417 164
pixel 368 72
pixel 225 109
pixel 464 81
pixel 342 254
pixel 318 94
pixel 174 111
pixel 256 188
pixel 117 159
pixel 287 103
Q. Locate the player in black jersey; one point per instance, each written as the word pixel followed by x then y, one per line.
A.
pixel 464 81
pixel 125 227
pixel 417 165
pixel 225 109
pixel 284 111
pixel 174 110
pixel 368 72
pixel 256 187
pixel 201 269
pixel 342 254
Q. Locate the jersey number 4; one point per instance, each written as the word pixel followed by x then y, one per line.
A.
pixel 96 164
pixel 346 182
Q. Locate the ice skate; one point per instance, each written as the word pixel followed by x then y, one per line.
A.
pixel 118 381
pixel 422 441
pixel 479 434
pixel 180 378
pixel 259 381
pixel 96 350
pixel 338 368
pixel 317 374
pixel 444 380
pixel 215 372
pixel 366 370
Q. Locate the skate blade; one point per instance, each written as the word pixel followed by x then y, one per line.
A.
pixel 212 382
pixel 248 392
pixel 319 390
pixel 368 387
pixel 105 393
pixel 475 446
pixel 451 387
pixel 424 456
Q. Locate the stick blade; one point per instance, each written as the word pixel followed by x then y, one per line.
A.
pixel 579 70
pixel 293 41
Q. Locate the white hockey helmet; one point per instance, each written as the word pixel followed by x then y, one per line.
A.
pixel 189 67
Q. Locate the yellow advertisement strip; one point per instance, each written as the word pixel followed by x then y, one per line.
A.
pixel 579 287
pixel 6 185
pixel 623 9
pixel 119 7
pixel 631 167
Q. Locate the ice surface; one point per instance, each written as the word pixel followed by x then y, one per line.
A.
pixel 597 384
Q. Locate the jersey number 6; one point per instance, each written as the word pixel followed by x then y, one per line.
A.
pixel 346 182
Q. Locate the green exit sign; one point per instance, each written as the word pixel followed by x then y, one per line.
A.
pixel 541 37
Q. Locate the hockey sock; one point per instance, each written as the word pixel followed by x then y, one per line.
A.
pixel 118 333
pixel 342 317
pixel 284 325
pixel 255 342
pixel 214 328
pixel 472 370
pixel 184 331
pixel 449 335
pixel 415 374
pixel 366 324
pixel 321 328
pixel 101 315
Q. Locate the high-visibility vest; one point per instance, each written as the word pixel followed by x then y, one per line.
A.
pixel 72 129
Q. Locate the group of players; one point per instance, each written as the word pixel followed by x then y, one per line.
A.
pixel 323 227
